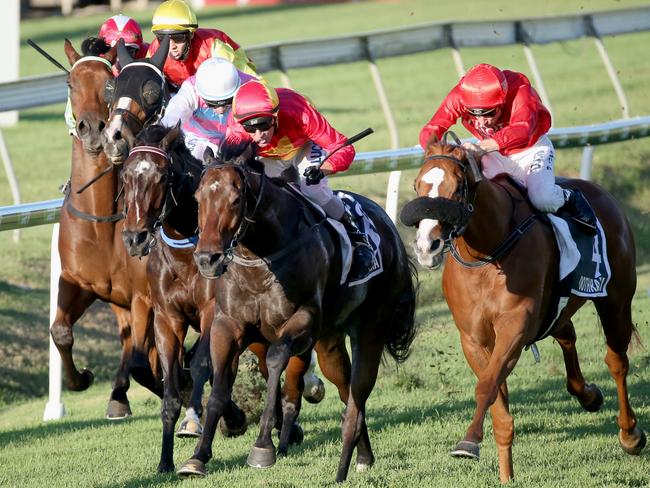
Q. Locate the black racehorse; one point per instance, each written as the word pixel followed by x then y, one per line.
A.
pixel 278 269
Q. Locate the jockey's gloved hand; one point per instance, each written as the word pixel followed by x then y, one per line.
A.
pixel 313 175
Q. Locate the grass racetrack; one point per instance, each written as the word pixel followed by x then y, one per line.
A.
pixel 418 411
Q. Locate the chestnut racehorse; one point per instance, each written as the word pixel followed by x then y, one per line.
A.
pixel 94 263
pixel 499 281
pixel 160 178
pixel 278 273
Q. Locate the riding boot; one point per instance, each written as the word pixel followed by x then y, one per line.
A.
pixel 577 208
pixel 363 256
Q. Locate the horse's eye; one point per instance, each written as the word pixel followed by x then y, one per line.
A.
pixel 151 92
pixel 109 91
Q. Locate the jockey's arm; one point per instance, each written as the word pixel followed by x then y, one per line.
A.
pixel 319 130
pixel 522 124
pixel 181 106
pixel 447 114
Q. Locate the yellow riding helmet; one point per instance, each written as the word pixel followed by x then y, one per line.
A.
pixel 174 16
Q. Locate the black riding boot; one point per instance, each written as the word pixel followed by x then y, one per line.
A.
pixel 578 209
pixel 363 257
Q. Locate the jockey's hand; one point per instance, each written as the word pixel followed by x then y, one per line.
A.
pixel 474 149
pixel 313 175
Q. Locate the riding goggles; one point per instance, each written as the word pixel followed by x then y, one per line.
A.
pixel 481 112
pixel 178 38
pixel 258 124
pixel 218 103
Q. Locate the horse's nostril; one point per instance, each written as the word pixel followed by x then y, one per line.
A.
pixel 82 127
pixel 102 124
pixel 141 237
pixel 117 135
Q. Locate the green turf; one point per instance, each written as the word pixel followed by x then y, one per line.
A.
pixel 417 412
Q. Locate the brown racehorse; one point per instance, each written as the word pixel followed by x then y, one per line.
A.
pixel 160 178
pixel 499 288
pixel 94 264
pixel 278 280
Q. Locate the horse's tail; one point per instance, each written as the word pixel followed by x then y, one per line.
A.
pixel 402 329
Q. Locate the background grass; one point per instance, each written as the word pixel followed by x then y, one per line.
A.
pixel 417 412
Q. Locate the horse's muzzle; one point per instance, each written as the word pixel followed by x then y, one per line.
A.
pixel 117 149
pixel 211 265
pixel 137 242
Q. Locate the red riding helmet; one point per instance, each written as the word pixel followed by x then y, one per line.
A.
pixel 121 27
pixel 255 99
pixel 483 87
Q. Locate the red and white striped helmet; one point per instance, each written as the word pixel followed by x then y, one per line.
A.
pixel 483 87
pixel 121 27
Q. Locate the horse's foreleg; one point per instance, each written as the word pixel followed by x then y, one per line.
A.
pixel 118 404
pixel 72 302
pixel 290 430
pixel 191 426
pixel 589 395
pixel 169 342
pixel 618 328
pixel 225 348
pixel 367 347
pixel 142 367
pixel 504 432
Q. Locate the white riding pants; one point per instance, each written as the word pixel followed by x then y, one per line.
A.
pixel 310 154
pixel 533 168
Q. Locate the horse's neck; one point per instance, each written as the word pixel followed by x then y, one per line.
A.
pixel 183 218
pixel 492 219
pixel 100 197
pixel 277 221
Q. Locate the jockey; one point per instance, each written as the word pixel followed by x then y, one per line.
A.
pixel 190 45
pixel 505 113
pixel 289 131
pixel 203 104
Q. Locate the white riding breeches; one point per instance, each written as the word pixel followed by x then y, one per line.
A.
pixel 533 168
pixel 321 194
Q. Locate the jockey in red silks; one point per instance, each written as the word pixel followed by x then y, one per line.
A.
pixel 288 131
pixel 203 104
pixel 506 115
pixel 123 27
pixel 190 45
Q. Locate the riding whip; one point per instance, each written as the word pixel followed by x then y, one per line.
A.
pixel 351 140
pixel 47 56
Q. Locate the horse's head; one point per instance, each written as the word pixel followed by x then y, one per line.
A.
pixel 136 98
pixel 223 213
pixel 86 81
pixel 148 177
pixel 442 209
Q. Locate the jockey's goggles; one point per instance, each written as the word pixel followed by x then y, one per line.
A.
pixel 218 103
pixel 481 112
pixel 178 37
pixel 258 124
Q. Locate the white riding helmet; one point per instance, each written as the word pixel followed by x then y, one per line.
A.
pixel 217 79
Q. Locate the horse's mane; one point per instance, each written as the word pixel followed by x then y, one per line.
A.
pixel 94 46
pixel 242 153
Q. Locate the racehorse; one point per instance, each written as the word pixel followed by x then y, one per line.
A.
pixel 94 264
pixel 136 98
pixel 499 283
pixel 278 280
pixel 160 178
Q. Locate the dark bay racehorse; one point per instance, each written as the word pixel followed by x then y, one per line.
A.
pixel 499 295
pixel 94 264
pixel 278 273
pixel 136 99
pixel 160 178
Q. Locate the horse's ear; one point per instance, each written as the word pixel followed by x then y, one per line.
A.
pixel 158 59
pixel 123 55
pixel 170 137
pixel 70 52
pixel 111 55
pixel 208 156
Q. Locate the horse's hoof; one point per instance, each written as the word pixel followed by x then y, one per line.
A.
pixel 296 436
pixel 165 467
pixel 86 378
pixel 192 467
pixel 232 431
pixel 364 464
pixel 597 402
pixel 466 449
pixel 118 410
pixel 261 457
pixel 314 393
pixel 189 428
pixel 635 447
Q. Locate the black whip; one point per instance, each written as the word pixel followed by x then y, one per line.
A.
pixel 47 56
